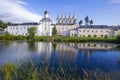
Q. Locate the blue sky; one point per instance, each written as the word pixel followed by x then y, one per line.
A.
pixel 106 12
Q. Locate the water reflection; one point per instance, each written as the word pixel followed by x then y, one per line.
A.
pixel 94 46
pixel 45 50
pixel 87 55
pixel 31 45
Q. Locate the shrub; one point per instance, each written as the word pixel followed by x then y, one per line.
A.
pixel 106 36
pixel 89 35
pixel 118 38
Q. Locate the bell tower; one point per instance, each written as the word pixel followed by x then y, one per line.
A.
pixel 46 14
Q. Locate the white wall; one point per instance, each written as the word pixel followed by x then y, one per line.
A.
pixel 20 29
pixel 74 32
pixel 45 29
pixel 117 33
pixel 98 32
pixel 64 30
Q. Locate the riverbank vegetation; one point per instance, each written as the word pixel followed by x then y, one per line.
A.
pixel 8 37
pixel 35 69
pixel 75 39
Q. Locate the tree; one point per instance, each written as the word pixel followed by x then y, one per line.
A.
pixel 31 32
pixel 9 23
pixel 118 38
pixel 3 25
pixel 54 31
pixel 80 22
pixel 91 22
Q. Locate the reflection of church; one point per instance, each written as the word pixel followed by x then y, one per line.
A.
pixel 65 52
pixel 69 51
pixel 45 50
pixel 93 46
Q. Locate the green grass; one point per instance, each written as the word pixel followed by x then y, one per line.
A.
pixel 75 39
pixel 36 69
pixel 61 39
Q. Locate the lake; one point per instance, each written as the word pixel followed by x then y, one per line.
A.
pixel 88 55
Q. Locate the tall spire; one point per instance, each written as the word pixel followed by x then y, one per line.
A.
pixel 62 16
pixel 65 15
pixel 58 16
pixel 74 17
pixel 69 16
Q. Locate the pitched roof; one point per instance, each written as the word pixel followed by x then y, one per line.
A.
pixel 46 20
pixel 100 27
pixel 16 24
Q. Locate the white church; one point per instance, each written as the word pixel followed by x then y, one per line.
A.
pixel 66 25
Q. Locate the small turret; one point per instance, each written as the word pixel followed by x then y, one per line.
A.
pixel 46 14
pixel 87 20
pixel 58 16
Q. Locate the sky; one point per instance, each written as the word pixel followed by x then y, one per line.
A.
pixel 102 12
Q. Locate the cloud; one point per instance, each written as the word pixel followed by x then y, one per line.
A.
pixel 15 11
pixel 115 1
pixel 21 2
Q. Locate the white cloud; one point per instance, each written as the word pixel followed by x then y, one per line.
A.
pixel 21 2
pixel 14 11
pixel 115 1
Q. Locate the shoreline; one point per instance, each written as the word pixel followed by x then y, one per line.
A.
pixel 74 39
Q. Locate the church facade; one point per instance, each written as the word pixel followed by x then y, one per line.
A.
pixel 66 25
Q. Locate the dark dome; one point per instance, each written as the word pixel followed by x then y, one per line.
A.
pixel 46 12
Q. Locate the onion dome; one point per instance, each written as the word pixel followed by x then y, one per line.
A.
pixel 46 12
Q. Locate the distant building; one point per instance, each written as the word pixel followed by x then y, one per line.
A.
pixel 89 30
pixel 2 31
pixel 64 23
pixel 94 31
pixel 43 28
pixel 21 29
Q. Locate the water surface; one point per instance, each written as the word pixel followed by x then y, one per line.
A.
pixel 103 56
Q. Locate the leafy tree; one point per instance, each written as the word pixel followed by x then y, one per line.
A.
pixel 31 32
pixel 91 22
pixel 80 22
pixel 9 23
pixel 118 38
pixel 54 31
pixel 2 24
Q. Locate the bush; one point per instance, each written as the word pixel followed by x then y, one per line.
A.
pixel 106 36
pixel 89 35
pixel 118 38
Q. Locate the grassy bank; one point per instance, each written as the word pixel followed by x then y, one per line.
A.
pixel 36 69
pixel 61 39
pixel 12 37
pixel 76 39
